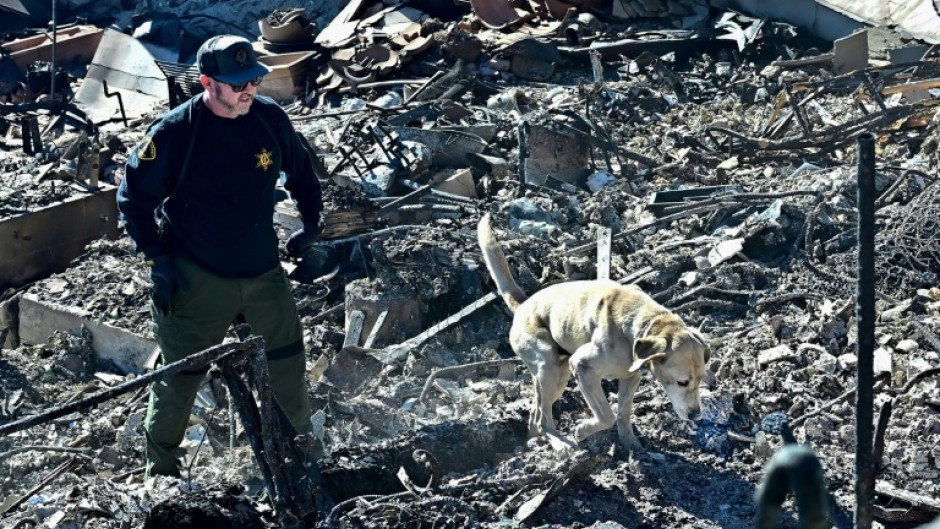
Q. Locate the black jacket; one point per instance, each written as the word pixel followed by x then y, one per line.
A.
pixel 220 212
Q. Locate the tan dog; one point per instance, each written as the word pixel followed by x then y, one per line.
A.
pixel 600 330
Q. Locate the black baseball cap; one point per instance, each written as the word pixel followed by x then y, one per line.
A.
pixel 230 59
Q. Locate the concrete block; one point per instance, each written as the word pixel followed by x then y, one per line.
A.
pixel 40 319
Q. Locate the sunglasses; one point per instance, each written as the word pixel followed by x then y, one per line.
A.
pixel 240 87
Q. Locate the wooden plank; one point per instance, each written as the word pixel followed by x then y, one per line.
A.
pixel 636 276
pixel 806 61
pixel 394 353
pixel 926 84
pixel 376 327
pixel 904 515
pixel 43 242
pixel 74 46
pixel 336 224
pixel 448 321
pixel 354 329
pixel 917 500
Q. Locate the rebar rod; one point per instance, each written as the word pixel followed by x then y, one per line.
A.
pixel 865 317
pixel 55 33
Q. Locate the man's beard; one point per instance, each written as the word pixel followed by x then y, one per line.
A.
pixel 232 108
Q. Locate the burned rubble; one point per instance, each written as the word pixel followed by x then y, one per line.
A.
pixel 707 156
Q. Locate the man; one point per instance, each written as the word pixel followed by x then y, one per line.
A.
pixel 198 200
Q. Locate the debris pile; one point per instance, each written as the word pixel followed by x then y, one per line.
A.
pixel 703 155
pixel 109 281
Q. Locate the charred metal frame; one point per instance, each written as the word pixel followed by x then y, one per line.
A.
pixel 724 141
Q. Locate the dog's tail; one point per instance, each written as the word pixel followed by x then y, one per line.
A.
pixel 496 263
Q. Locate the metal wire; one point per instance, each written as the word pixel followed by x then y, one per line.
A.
pixel 910 244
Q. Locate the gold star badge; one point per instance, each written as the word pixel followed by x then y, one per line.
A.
pixel 264 159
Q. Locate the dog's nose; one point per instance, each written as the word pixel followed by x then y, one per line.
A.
pixel 695 414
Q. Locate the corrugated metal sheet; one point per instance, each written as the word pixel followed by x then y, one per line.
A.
pixel 919 18
pixel 824 22
pixel 874 12
pixel 832 19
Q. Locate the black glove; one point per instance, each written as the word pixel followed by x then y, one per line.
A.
pixel 300 240
pixel 317 261
pixel 167 281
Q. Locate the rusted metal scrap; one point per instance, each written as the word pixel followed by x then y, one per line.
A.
pixel 356 64
pixel 380 158
pixel 496 14
pixel 450 85
pixel 738 143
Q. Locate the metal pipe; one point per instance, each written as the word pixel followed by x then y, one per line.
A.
pixel 523 153
pixel 55 31
pixel 120 100
pixel 865 317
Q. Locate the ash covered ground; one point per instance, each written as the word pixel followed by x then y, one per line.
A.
pixel 766 270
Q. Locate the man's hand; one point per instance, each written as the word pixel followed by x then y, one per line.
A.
pixel 302 239
pixel 318 260
pixel 167 281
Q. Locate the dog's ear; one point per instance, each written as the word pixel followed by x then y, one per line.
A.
pixel 647 350
pixel 705 343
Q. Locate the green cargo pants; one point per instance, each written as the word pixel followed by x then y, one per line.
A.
pixel 199 320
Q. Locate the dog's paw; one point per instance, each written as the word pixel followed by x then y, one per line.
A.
pixel 585 429
pixel 578 432
pixel 631 443
pixel 560 443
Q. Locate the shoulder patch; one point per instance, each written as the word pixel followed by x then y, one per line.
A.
pixel 147 149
